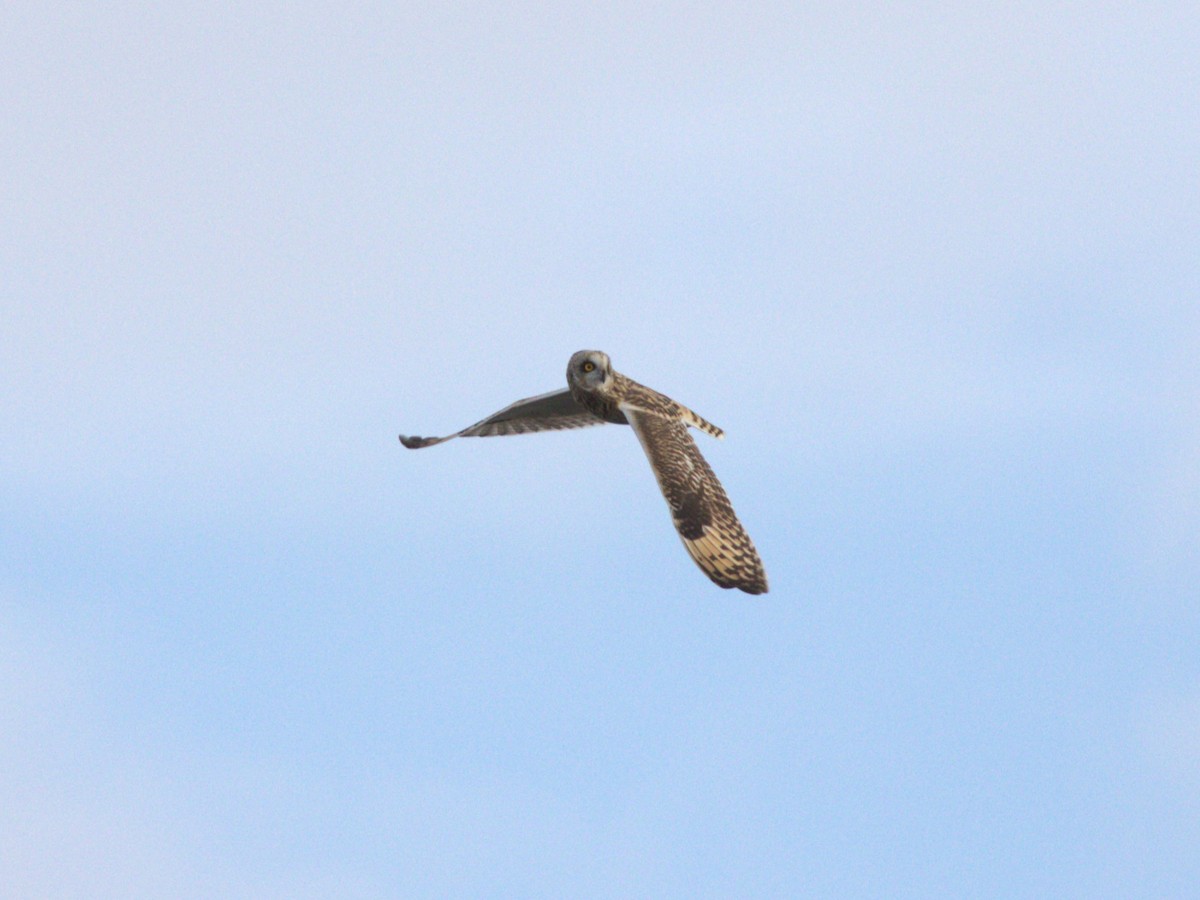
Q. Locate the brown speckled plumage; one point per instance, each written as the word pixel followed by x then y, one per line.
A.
pixel 554 411
pixel 700 509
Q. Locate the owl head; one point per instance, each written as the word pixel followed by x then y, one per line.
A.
pixel 589 369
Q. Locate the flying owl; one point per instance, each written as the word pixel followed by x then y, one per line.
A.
pixel 595 395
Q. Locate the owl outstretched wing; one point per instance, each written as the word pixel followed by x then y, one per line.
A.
pixel 701 510
pixel 546 412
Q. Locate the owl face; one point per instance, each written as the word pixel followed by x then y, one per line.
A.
pixel 589 369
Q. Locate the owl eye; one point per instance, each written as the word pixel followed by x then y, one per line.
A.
pixel 589 366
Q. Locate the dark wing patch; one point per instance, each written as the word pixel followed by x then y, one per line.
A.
pixel 546 412
pixel 700 509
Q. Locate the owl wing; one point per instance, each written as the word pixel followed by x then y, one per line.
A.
pixel 701 511
pixel 546 412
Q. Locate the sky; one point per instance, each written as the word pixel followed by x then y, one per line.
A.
pixel 935 270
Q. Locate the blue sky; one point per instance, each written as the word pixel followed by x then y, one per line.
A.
pixel 935 270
